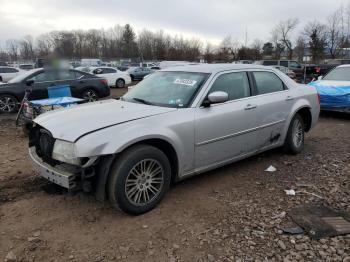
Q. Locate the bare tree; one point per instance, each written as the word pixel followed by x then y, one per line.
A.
pixel 300 48
pixel 256 49
pixel 334 34
pixel 26 48
pixel 12 47
pixel 282 34
pixel 229 47
pixel 208 53
pixel 43 45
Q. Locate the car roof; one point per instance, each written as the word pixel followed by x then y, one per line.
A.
pixel 347 65
pixel 213 68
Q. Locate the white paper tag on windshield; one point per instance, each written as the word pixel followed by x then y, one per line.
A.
pixel 187 82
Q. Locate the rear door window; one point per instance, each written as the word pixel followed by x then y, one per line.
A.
pixel 284 63
pixel 267 82
pixel 270 62
pixel 44 76
pixel 108 70
pixel 236 85
pixel 67 75
pixel 294 64
pixel 9 70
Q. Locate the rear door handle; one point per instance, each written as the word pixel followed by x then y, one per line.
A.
pixel 249 107
pixel 289 98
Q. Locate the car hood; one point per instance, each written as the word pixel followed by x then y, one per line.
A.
pixel 72 123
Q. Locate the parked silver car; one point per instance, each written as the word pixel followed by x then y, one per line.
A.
pixel 176 123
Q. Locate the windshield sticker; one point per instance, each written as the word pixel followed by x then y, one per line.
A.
pixel 187 82
pixel 176 102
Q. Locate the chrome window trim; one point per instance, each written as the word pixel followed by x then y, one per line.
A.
pixel 202 94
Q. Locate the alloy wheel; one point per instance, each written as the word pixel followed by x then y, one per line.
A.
pixel 90 96
pixel 144 182
pixel 7 104
pixel 298 133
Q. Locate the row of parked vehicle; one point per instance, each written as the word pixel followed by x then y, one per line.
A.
pixel 303 73
pixel 116 77
pixel 82 85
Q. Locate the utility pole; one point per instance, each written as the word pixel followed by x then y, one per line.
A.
pixel 246 37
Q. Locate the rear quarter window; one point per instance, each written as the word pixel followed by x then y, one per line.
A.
pixel 267 82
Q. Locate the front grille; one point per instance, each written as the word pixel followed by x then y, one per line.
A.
pixel 44 143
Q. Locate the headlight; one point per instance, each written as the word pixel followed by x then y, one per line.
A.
pixel 65 152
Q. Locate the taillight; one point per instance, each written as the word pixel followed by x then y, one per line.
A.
pixel 104 81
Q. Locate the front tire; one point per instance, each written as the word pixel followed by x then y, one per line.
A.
pixel 139 179
pixel 294 142
pixel 8 104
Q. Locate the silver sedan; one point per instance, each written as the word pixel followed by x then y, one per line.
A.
pixel 176 123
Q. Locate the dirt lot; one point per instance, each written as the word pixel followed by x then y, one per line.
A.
pixel 230 214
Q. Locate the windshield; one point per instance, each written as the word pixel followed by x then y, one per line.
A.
pixel 169 89
pixel 339 74
pixel 22 76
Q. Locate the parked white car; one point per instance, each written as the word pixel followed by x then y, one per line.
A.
pixel 26 67
pixel 115 77
pixel 7 73
pixel 176 123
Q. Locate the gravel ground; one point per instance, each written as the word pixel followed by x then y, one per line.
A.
pixel 230 214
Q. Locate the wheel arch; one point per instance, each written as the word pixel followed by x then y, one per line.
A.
pixel 19 99
pixel 108 160
pixel 306 115
pixel 120 78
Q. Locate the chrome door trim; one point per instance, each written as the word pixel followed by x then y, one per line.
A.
pixel 239 133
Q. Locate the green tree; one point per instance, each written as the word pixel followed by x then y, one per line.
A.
pixel 316 36
pixel 129 45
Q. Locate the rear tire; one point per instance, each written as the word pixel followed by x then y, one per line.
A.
pixel 294 142
pixel 120 83
pixel 8 104
pixel 90 95
pixel 139 179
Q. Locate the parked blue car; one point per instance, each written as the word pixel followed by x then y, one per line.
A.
pixel 334 89
pixel 138 73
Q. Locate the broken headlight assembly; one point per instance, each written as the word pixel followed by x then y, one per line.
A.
pixel 65 152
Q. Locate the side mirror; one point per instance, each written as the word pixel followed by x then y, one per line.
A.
pixel 319 78
pixel 215 98
pixel 29 82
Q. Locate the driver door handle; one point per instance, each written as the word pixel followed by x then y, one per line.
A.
pixel 289 98
pixel 249 107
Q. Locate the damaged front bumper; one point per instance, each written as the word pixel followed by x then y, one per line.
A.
pixel 63 175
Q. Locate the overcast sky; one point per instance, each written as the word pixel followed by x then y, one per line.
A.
pixel 209 20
